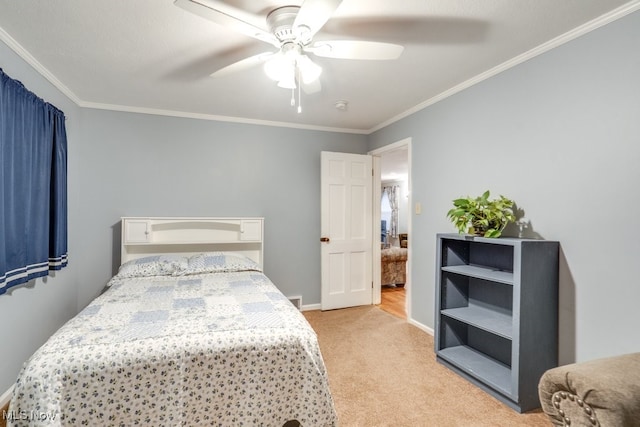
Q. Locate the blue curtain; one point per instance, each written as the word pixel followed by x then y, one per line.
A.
pixel 33 185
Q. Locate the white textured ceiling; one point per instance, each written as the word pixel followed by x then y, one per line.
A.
pixel 151 56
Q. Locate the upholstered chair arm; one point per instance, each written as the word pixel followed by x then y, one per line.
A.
pixel 602 392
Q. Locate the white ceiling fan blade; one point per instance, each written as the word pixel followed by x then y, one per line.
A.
pixel 230 17
pixel 356 49
pixel 243 64
pixel 312 16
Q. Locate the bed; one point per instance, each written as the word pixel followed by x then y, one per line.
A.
pixel 189 332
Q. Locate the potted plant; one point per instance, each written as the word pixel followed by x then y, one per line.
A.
pixel 481 216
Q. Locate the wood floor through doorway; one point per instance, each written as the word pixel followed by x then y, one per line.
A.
pixel 392 300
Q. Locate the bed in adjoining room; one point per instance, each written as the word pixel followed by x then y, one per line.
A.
pixel 189 332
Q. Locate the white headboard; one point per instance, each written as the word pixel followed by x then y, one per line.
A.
pixel 145 236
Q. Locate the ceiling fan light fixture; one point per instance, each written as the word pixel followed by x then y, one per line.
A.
pixel 291 30
pixel 309 70
pixel 278 66
pixel 287 67
pixel 288 82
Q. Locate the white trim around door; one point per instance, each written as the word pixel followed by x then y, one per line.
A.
pixel 377 182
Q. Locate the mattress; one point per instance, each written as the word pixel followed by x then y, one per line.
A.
pixel 222 347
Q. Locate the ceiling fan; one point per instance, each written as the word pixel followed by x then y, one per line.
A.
pixel 290 29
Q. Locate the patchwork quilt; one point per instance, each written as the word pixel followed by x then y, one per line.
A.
pixel 221 348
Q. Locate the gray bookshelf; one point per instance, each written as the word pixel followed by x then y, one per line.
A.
pixel 497 313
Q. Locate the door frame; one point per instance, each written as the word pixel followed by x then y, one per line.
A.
pixel 377 193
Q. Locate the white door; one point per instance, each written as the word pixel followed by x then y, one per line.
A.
pixel 346 230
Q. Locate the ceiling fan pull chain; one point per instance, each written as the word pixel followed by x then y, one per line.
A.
pixel 293 97
pixel 299 96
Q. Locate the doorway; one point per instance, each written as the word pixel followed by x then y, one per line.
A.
pixel 392 256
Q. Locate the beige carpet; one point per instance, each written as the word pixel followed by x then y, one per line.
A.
pixel 382 372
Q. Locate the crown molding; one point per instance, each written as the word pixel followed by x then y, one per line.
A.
pixel 213 117
pixel 33 62
pixel 605 19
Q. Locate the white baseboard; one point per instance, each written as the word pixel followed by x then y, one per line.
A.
pixel 309 307
pixel 6 397
pixel 419 325
pixel 425 328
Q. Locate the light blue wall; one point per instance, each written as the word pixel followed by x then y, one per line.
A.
pixel 560 134
pixel 144 165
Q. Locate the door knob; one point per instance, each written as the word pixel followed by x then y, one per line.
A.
pixel 324 239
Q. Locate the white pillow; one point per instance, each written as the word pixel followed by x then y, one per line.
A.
pixel 214 262
pixel 157 265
